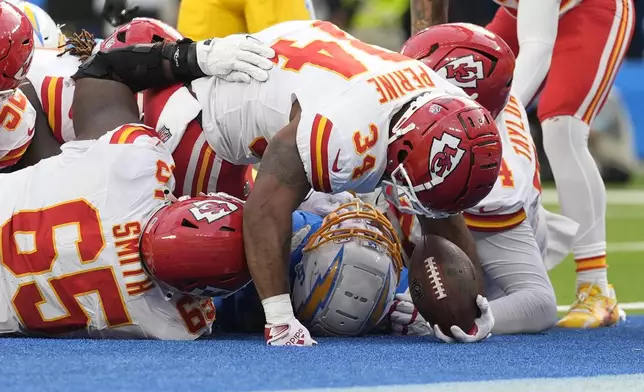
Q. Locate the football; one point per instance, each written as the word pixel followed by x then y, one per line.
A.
pixel 443 284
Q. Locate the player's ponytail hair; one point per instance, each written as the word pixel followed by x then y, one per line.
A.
pixel 80 45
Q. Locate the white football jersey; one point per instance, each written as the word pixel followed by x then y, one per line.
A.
pixel 50 74
pixel 348 92
pixel 513 5
pixel 516 195
pixel 70 244
pixel 51 77
pixel 173 112
pixel 17 124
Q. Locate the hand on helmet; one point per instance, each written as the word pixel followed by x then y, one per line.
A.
pixel 405 318
pixel 236 58
pixel 322 204
pixel 484 325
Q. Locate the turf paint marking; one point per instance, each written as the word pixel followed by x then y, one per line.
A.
pixel 613 196
pixel 631 382
pixel 625 247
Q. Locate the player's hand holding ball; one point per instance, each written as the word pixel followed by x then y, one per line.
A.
pixel 236 58
pixel 443 286
pixel 405 319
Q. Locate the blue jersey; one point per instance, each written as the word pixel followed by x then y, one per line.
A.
pixel 243 312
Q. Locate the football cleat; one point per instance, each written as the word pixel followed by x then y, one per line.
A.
pixel 592 309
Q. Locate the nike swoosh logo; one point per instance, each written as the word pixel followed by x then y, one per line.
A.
pixel 30 131
pixel 482 210
pixel 335 167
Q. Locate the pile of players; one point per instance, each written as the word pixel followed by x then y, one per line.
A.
pixel 362 152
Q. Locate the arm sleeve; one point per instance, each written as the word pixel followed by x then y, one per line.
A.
pixel 144 66
pixel 537 22
pixel 522 298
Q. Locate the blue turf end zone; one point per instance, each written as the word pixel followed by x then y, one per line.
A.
pixel 245 364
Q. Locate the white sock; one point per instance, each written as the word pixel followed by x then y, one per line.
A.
pixel 581 192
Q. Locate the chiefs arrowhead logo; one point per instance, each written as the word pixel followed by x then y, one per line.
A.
pixel 464 72
pixel 212 210
pixel 444 157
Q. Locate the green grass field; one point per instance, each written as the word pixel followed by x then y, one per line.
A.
pixel 625 236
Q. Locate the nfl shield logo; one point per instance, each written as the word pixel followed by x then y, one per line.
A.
pixel 164 134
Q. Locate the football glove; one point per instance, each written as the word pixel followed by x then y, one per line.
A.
pixel 405 318
pixel 290 333
pixel 282 328
pixel 236 58
pixel 483 326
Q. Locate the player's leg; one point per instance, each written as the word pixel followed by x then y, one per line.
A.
pixel 203 19
pixel 591 43
pixel 521 296
pixel 505 26
pixel 261 14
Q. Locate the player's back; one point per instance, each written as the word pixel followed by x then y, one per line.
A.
pixel 70 235
pixel 327 71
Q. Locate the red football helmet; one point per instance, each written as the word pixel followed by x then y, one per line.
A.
pixel 140 31
pixel 196 246
pixel 470 57
pixel 444 156
pixel 16 47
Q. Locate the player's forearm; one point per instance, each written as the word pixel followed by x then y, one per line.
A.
pixel 144 66
pixel 425 13
pixel 537 22
pixel 280 187
pixel 454 229
pixel 267 238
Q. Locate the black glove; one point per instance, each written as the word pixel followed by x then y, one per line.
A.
pixel 116 13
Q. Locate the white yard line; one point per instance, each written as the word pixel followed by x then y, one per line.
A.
pixel 625 247
pixel 626 382
pixel 614 196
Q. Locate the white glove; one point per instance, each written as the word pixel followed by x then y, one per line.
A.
pixel 298 237
pixel 322 204
pixel 236 58
pixel 405 319
pixel 483 326
pixel 282 328
pixel 291 333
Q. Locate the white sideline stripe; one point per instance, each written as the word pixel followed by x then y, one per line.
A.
pixel 625 247
pixel 630 382
pixel 623 306
pixel 613 196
